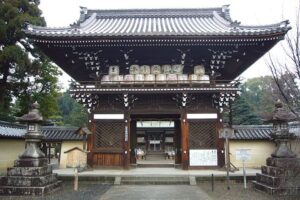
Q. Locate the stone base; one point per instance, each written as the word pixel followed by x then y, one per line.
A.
pixel 279 177
pixel 29 177
pixel 280 191
pixel 30 191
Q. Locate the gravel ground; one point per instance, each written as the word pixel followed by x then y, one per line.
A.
pixel 86 191
pixel 95 191
pixel 237 192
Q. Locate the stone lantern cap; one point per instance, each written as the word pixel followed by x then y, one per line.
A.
pixel 33 115
pixel 280 114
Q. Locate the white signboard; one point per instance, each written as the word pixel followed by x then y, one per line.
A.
pixel 154 141
pixel 242 154
pixel 203 157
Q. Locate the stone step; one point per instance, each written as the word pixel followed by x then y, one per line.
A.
pixel 155 158
pixel 294 191
pixel 264 188
pixel 28 181
pixel 29 171
pixel 272 171
pixel 269 180
pixel 155 165
pixel 155 153
pixel 29 191
pixel 155 180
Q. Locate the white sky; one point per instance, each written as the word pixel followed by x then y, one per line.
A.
pixel 64 12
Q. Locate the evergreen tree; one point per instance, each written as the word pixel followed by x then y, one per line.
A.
pixel 73 113
pixel 242 114
pixel 25 74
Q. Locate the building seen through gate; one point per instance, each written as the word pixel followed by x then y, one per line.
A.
pixel 134 68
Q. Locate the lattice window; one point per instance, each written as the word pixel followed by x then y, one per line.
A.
pixel 202 135
pixel 109 134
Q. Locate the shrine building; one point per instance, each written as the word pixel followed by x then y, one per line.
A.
pixel 156 81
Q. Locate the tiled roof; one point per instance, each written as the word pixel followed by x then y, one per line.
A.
pixel 158 22
pixel 13 130
pixel 252 132
pixel 259 132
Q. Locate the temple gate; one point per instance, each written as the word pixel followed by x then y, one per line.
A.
pixel 176 65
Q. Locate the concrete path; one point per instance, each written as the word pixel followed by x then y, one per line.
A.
pixel 155 171
pixel 155 192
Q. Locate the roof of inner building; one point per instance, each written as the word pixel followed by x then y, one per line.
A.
pixel 157 22
pixel 51 133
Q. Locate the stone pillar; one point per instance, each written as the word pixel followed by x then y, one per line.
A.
pixel 31 174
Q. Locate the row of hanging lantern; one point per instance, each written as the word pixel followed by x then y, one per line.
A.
pixel 155 73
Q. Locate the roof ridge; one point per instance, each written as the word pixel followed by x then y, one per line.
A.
pixel 85 13
pixel 278 24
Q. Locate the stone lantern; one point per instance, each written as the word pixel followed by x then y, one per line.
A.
pixel 280 175
pixel 31 174
pixel 33 136
pixel 280 133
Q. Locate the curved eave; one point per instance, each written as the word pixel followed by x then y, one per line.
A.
pixel 94 39
pixel 215 34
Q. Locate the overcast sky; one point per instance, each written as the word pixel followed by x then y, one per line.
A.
pixel 249 12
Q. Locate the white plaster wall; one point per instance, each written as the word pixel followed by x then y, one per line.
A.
pixel 10 149
pixel 65 146
pixel 259 151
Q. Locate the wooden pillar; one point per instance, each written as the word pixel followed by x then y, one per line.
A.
pixel 220 142
pixel 90 144
pixel 177 141
pixel 133 141
pixel 126 141
pixel 184 142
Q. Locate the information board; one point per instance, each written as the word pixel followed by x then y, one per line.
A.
pixel 242 154
pixel 203 157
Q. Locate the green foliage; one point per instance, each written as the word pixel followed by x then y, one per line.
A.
pixel 73 113
pixel 242 114
pixel 258 98
pixel 26 75
pixel 260 93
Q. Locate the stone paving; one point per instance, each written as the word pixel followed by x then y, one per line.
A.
pixel 155 192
